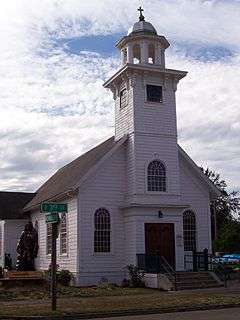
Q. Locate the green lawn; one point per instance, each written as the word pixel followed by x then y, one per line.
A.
pixel 93 300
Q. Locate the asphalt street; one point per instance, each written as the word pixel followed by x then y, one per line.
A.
pixel 223 314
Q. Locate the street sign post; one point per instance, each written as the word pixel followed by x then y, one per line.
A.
pixel 52 211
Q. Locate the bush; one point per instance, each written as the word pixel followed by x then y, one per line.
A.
pixel 64 277
pixel 136 276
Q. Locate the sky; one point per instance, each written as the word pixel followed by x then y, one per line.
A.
pixel 56 54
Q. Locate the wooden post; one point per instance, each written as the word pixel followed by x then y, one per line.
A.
pixel 205 259
pixel 54 267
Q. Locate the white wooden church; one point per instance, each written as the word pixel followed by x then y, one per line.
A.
pixel 137 193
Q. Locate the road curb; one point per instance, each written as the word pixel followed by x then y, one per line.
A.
pixel 81 316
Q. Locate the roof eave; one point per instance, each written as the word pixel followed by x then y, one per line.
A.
pixel 145 67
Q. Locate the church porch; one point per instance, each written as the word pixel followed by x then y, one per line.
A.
pixel 154 234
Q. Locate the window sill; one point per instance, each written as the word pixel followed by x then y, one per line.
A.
pixel 102 254
pixel 152 104
pixel 63 255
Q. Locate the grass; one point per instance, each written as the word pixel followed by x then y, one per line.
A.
pixel 100 300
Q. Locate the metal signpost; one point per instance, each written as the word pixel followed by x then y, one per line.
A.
pixel 52 211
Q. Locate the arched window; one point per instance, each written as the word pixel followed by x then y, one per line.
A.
pixel 156 176
pixel 102 231
pixel 136 54
pixel 189 230
pixel 63 234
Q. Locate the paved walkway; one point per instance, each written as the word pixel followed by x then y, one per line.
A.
pixel 223 314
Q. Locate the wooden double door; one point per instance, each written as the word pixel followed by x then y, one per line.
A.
pixel 159 240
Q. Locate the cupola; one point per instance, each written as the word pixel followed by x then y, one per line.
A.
pixel 143 45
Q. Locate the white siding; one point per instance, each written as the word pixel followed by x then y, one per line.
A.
pixel 196 194
pixel 68 261
pixel 105 189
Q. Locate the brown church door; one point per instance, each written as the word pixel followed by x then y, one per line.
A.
pixel 159 240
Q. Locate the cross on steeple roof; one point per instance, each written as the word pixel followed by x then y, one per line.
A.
pixel 141 17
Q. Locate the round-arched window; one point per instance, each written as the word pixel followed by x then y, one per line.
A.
pixel 102 231
pixel 156 176
pixel 189 230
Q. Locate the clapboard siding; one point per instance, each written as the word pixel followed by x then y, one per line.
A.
pixel 106 189
pixel 68 261
pixel 196 194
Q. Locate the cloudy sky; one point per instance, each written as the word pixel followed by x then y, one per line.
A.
pixel 56 54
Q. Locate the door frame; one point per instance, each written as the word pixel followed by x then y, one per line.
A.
pixel 173 238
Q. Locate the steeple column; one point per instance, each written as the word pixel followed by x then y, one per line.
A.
pixel 158 55
pixel 129 53
pixel 144 52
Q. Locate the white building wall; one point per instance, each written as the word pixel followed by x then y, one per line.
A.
pixel 196 194
pixel 68 261
pixel 105 188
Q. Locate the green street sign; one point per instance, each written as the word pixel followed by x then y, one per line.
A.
pixel 48 207
pixel 52 217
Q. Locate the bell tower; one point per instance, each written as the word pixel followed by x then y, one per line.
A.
pixel 145 109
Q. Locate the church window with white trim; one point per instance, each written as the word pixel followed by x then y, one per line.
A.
pixel 189 230
pixel 156 176
pixel 102 231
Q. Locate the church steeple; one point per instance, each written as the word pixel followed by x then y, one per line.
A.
pixel 142 44
pixel 143 81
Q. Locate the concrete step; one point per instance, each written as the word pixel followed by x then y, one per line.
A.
pixel 195 280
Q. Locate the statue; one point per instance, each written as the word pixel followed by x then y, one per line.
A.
pixel 27 248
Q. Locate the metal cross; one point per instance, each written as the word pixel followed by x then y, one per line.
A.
pixel 141 17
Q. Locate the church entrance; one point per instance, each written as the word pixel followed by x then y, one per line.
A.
pixel 159 241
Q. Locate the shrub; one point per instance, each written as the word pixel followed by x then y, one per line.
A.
pixel 64 277
pixel 136 276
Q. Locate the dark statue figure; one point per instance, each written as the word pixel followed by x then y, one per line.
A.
pixel 27 248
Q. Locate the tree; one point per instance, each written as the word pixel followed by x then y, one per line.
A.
pixel 229 238
pixel 227 206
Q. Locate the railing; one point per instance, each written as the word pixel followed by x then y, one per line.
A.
pixel 157 264
pixel 203 261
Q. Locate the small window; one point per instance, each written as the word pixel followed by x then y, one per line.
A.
pixel 102 231
pixel 154 93
pixel 123 98
pixel 63 234
pixel 49 238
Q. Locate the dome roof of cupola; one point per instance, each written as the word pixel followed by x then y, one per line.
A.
pixel 142 27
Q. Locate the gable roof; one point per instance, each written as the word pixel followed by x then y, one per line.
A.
pixel 12 204
pixel 214 191
pixel 67 178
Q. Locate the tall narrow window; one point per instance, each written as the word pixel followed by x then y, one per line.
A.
pixel 49 238
pixel 156 176
pixel 63 234
pixel 123 98
pixel 102 231
pixel 189 230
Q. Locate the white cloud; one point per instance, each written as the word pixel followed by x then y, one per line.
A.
pixel 53 106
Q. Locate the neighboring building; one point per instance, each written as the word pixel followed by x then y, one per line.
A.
pixel 12 221
pixel 138 192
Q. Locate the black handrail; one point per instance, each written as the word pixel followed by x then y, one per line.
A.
pixel 170 271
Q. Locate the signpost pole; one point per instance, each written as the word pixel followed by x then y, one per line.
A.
pixel 54 267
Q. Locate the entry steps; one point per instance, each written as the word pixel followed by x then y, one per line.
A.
pixel 196 280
